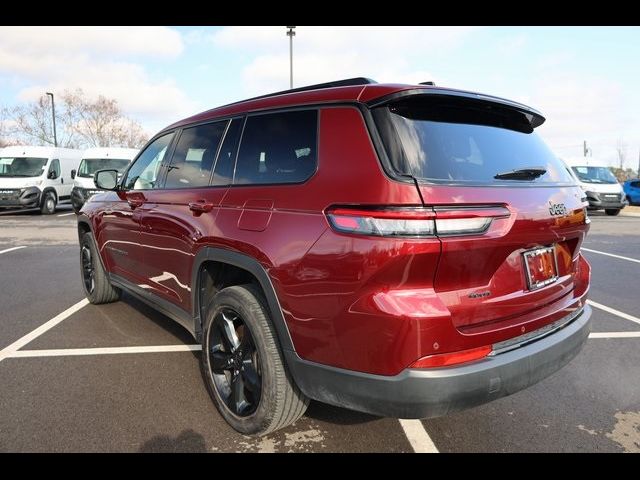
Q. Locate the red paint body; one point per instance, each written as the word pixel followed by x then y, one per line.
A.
pixel 362 303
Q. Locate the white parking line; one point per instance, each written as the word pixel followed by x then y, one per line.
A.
pixel 614 335
pixel 418 437
pixel 613 311
pixel 15 346
pixel 611 255
pixel 413 429
pixel 407 425
pixel 63 352
pixel 66 214
pixel 12 249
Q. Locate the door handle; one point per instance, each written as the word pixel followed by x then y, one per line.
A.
pixel 200 207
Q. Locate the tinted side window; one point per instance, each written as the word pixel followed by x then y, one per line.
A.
pixel 194 156
pixel 55 167
pixel 278 148
pixel 635 184
pixel 223 173
pixel 143 174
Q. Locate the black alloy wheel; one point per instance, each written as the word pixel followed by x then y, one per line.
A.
pixel 88 270
pixel 234 363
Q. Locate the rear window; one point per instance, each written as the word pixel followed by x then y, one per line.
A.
pixel 444 140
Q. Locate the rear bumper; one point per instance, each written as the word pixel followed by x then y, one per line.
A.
pixel 435 392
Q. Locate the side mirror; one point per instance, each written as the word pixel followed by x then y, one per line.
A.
pixel 106 179
pixel 52 175
pixel 73 174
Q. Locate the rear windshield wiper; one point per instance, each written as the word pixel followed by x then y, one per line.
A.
pixel 529 173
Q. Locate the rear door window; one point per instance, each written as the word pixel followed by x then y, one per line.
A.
pixel 278 148
pixel 223 173
pixel 448 140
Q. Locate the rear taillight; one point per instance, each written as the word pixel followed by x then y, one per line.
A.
pixel 414 221
pixel 398 222
pixel 452 358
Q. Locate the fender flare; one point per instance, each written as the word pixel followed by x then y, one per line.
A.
pixel 251 265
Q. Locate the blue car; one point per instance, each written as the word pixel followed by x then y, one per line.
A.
pixel 632 191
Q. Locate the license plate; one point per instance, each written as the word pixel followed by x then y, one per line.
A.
pixel 611 197
pixel 541 267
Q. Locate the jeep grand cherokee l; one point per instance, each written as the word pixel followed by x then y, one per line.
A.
pixel 401 250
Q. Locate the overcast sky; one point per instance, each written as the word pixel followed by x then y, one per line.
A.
pixel 583 79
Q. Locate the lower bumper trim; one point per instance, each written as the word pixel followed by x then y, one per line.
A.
pixel 428 393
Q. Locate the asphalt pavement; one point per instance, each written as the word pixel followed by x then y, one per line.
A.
pixel 151 398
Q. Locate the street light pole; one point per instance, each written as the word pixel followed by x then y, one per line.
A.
pixel 53 115
pixel 290 34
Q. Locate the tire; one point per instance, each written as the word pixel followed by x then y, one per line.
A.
pixel 612 211
pixel 48 206
pixel 278 401
pixel 97 287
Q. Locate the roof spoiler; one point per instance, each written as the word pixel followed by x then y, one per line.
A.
pixel 534 117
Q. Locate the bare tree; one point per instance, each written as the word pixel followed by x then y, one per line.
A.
pixel 81 122
pixel 621 148
pixel 100 123
pixel 4 135
pixel 32 123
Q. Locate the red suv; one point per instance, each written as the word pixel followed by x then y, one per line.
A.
pixel 402 250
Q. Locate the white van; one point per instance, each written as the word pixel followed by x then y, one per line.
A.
pixel 36 177
pixel 94 159
pixel 600 185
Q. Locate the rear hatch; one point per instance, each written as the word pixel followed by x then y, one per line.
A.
pixel 508 214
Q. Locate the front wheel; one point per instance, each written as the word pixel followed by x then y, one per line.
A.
pixel 96 284
pixel 243 366
pixel 612 211
pixel 48 206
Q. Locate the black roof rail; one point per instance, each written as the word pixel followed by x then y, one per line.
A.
pixel 336 83
pixel 348 82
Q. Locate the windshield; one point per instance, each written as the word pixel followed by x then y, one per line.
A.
pixel 89 166
pixel 22 166
pixel 594 175
pixel 446 140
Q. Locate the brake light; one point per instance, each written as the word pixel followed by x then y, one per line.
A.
pixel 400 222
pixel 452 358
pixel 414 221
